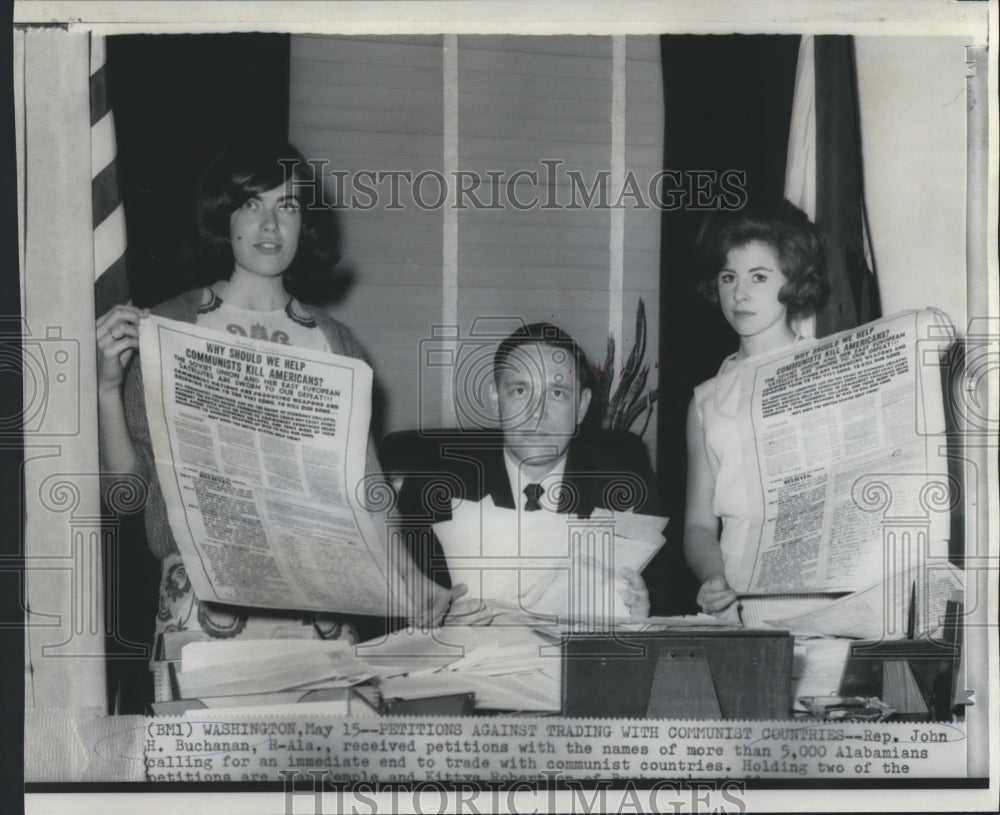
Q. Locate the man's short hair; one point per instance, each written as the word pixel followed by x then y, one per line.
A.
pixel 544 334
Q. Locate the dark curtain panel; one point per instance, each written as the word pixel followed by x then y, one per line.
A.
pixel 728 102
pixel 840 212
pixel 178 101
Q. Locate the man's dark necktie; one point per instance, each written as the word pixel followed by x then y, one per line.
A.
pixel 533 492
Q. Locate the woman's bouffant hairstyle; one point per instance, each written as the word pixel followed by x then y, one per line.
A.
pixel 783 227
pixel 240 173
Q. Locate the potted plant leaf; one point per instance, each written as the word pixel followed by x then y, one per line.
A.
pixel 630 401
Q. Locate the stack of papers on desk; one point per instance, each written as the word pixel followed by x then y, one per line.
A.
pixel 766 611
pixel 911 602
pixel 508 667
pixel 687 621
pixel 246 667
pixel 304 675
pixel 548 564
pixel 818 667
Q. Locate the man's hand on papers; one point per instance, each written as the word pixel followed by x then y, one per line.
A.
pixel 426 602
pixel 716 595
pixel 437 601
pixel 634 593
pixel 471 611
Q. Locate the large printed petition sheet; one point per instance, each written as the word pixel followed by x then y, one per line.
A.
pixel 259 450
pixel 838 437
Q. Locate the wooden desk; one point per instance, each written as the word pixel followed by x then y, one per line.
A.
pixel 713 674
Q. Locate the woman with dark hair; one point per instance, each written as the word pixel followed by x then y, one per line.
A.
pixel 235 178
pixel 269 263
pixel 765 268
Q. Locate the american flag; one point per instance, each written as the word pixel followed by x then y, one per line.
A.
pixel 111 281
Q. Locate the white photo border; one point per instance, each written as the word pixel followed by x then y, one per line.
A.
pixel 859 17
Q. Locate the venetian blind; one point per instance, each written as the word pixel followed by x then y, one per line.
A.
pixel 517 117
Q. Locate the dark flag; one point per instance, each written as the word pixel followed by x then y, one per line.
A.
pixel 824 177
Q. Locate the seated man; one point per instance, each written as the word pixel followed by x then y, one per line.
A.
pixel 541 391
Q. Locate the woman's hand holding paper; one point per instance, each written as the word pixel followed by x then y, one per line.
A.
pixel 716 595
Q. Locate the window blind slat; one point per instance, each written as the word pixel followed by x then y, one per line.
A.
pixel 376 103
pixel 570 46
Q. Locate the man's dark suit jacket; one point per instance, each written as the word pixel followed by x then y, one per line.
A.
pixel 604 469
